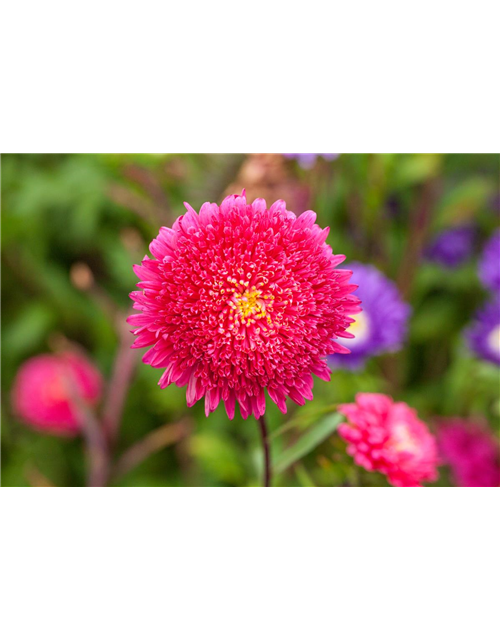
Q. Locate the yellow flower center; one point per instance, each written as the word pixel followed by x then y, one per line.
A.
pixel 402 438
pixel 360 328
pixel 248 303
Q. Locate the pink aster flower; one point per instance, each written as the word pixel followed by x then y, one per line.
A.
pixel 241 298
pixel 472 452
pixel 45 385
pixel 387 436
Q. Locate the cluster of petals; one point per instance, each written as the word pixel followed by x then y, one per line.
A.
pixel 47 388
pixel 241 298
pixel 387 436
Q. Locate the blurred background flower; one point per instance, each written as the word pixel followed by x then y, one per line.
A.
pixel 307 160
pixel 489 265
pixel 484 333
pixel 452 247
pixel 382 324
pixel 471 451
pixel 388 437
pixel 47 387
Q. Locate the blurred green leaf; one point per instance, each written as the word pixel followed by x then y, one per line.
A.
pixel 462 203
pixel 306 443
pixel 28 330
pixel 417 168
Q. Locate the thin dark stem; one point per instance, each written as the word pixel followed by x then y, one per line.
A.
pixel 123 371
pixel 267 528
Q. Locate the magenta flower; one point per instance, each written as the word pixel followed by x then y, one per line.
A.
pixel 45 387
pixel 239 299
pixel 472 452
pixel 388 437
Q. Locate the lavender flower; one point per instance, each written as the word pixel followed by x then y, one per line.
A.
pixel 489 265
pixel 381 326
pixel 307 160
pixel 484 334
pixel 452 247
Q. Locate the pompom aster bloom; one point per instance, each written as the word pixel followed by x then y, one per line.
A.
pixel 388 437
pixel 44 388
pixel 472 452
pixel 452 247
pixel 489 265
pixel 241 298
pixel 483 335
pixel 382 324
pixel 308 160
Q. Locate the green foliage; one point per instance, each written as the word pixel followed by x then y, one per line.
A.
pixel 73 226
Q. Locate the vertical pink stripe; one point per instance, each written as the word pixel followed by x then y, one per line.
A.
pixel 477 560
pixel 409 563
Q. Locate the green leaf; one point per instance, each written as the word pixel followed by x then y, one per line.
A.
pixel 309 441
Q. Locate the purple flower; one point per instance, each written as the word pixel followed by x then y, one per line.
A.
pixel 489 265
pixel 472 452
pixel 484 334
pixel 307 160
pixel 452 247
pixel 381 326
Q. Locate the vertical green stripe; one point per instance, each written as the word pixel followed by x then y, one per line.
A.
pixel 16 563
pixel 376 562
pixel 439 562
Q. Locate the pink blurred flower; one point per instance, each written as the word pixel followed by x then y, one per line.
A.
pixel 241 298
pixel 472 452
pixel 43 390
pixel 387 436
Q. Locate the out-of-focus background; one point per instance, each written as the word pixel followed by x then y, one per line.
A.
pixel 182 521
pixel 73 226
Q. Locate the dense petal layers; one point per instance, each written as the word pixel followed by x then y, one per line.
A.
pixel 45 387
pixel 240 298
pixel 388 437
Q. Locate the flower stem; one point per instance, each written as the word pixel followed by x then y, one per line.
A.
pixel 267 528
